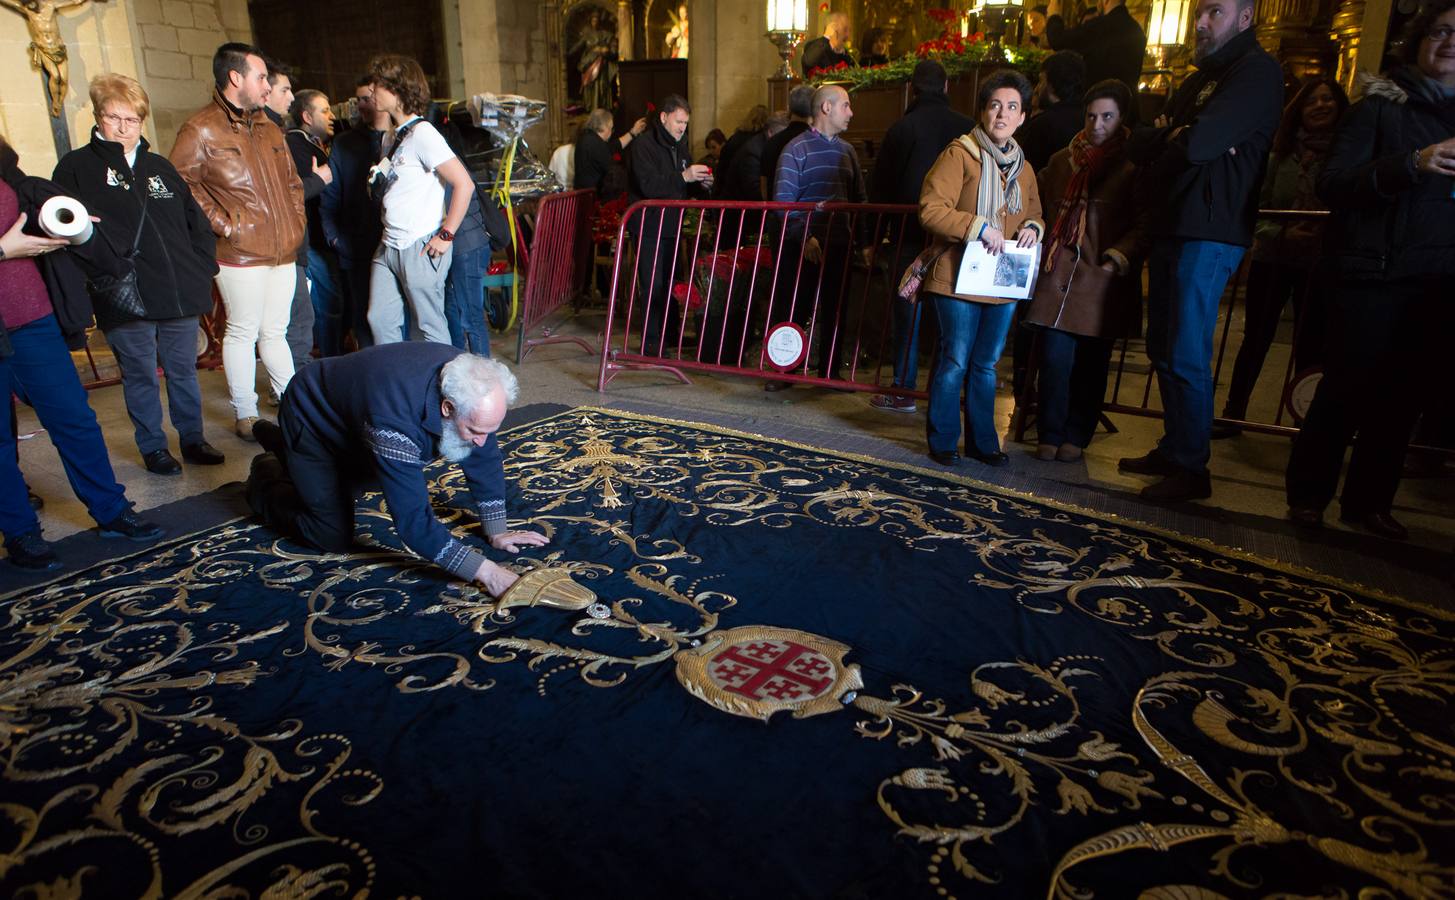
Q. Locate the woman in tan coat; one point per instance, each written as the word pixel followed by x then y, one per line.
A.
pixel 980 189
pixel 1089 291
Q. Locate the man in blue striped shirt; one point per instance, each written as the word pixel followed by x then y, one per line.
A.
pixel 816 167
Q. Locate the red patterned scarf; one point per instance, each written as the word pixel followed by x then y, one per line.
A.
pixel 1087 162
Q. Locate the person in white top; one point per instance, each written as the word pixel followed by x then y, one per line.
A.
pixel 413 259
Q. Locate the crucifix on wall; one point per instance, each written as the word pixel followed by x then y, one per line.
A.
pixel 47 50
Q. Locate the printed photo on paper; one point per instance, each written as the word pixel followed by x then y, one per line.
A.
pixel 1011 275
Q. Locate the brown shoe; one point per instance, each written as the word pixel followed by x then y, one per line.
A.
pixel 1068 453
pixel 1046 452
pixel 244 429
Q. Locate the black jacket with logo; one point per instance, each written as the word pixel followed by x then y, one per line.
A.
pixel 176 258
pixel 1232 103
pixel 1390 221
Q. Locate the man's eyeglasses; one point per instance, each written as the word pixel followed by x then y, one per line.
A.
pixel 1440 33
pixel 116 121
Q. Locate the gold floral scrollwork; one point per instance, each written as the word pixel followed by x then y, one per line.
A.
pixel 757 670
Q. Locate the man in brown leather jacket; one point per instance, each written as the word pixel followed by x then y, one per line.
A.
pixel 238 166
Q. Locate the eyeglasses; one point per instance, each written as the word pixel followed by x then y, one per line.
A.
pixel 116 121
pixel 1440 33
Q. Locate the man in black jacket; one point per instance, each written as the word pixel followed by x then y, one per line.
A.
pixel 1206 158
pixel 1063 81
pixel 308 139
pixel 382 415
pixel 910 148
pixel 596 152
pixel 351 223
pixel 827 51
pixel 1112 43
pixel 660 167
pixel 276 104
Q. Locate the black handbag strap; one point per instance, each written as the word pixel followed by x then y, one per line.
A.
pixel 137 185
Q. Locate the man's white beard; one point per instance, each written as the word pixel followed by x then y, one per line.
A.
pixel 453 447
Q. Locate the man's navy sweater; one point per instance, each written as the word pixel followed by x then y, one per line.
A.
pixel 378 412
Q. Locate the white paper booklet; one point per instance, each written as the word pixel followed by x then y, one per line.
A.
pixel 1011 275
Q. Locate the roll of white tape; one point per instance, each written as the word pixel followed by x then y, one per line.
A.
pixel 66 217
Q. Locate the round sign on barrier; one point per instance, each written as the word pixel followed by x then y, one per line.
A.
pixel 1300 394
pixel 785 346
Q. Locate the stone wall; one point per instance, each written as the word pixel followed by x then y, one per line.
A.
pixel 98 39
pixel 502 49
pixel 729 67
pixel 176 40
pixel 167 45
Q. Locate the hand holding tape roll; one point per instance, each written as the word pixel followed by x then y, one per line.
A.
pixel 66 218
pixel 16 244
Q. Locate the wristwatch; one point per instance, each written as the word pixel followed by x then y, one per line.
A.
pixel 445 234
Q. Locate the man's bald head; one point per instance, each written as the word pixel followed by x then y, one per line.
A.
pixel 831 110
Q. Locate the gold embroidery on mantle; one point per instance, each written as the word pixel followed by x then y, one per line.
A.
pixel 1320 675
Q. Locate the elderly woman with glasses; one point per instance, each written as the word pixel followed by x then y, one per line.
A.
pixel 1389 181
pixel 150 226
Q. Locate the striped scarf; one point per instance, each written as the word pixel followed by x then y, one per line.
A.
pixel 996 196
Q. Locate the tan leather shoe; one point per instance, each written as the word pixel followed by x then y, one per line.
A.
pixel 1068 453
pixel 244 428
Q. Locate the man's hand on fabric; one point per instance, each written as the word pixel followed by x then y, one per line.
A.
pixel 495 579
pixel 513 541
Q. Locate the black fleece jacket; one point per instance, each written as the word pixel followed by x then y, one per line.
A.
pixel 1232 103
pixel 175 259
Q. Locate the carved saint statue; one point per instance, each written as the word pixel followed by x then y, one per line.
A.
pixel 597 63
pixel 47 51
pixel 677 37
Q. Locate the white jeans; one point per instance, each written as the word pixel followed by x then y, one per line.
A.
pixel 258 300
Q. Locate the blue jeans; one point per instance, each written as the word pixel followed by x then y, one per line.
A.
pixel 465 301
pixel 328 303
pixel 1072 385
pixel 1186 281
pixel 41 373
pixel 972 336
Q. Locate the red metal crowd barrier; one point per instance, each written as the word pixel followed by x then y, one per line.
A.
pixel 561 261
pixel 701 286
